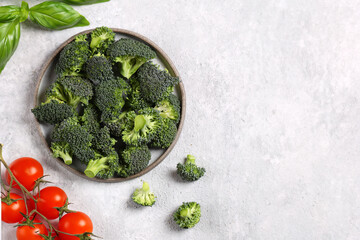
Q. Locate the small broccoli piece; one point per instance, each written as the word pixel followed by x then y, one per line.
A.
pixel 188 215
pixel 169 108
pixel 99 69
pixel 103 142
pixel 135 101
pixel 116 124
pixel 78 138
pixel 134 160
pixel 53 111
pixel 102 166
pixel 190 171
pixel 143 196
pixel 130 54
pixel 110 96
pixel 154 83
pixel 140 128
pixel 73 57
pixel 165 134
pixel 72 89
pixel 90 119
pixel 101 39
pixel 62 150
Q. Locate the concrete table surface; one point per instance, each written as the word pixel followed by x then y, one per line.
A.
pixel 273 114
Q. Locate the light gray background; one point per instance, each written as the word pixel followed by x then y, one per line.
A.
pixel 273 114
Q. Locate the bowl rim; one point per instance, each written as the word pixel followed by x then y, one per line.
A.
pixel 169 66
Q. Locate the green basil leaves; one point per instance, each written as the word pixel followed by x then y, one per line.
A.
pixel 9 39
pixel 84 2
pixel 56 16
pixel 53 15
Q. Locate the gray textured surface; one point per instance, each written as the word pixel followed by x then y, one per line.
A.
pixel 273 114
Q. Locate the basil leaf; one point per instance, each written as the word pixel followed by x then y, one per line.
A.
pixel 9 40
pixel 84 2
pixel 9 13
pixel 56 16
pixel 24 11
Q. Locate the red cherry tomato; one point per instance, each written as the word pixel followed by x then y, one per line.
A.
pixel 50 198
pixel 26 170
pixel 74 223
pixel 29 233
pixel 11 213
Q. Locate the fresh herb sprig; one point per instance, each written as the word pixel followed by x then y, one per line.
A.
pixel 53 15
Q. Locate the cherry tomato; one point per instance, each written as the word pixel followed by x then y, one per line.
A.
pixel 50 198
pixel 74 223
pixel 26 170
pixel 29 233
pixel 11 213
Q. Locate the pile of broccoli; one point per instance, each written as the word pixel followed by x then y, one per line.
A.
pixel 109 104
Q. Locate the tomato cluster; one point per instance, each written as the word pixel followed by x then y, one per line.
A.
pixel 49 204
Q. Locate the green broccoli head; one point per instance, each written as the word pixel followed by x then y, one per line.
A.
pixel 73 57
pixel 110 95
pixel 90 119
pixel 103 166
pixel 98 69
pixel 78 138
pixel 101 39
pixel 165 134
pixel 135 101
pixel 188 215
pixel 130 54
pixel 169 108
pixel 116 123
pixel 103 142
pixel 62 150
pixel 134 160
pixel 73 90
pixel 140 128
pixel 143 196
pixel 53 111
pixel 190 171
pixel 154 83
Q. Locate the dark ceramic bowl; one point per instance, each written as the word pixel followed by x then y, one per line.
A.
pixel 47 76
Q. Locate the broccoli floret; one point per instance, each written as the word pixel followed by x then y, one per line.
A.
pixel 53 111
pixel 130 54
pixel 116 124
pixel 135 101
pixel 73 57
pixel 154 83
pixel 90 119
pixel 103 166
pixel 110 95
pixel 78 138
pixel 188 215
pixel 101 38
pixel 190 171
pixel 103 142
pixel 72 90
pixel 165 134
pixel 99 69
pixel 169 108
pixel 140 128
pixel 143 196
pixel 134 160
pixel 62 150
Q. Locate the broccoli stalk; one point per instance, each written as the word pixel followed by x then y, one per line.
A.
pixel 190 171
pixel 102 166
pixel 62 150
pixel 130 54
pixel 143 196
pixel 140 128
pixel 188 215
